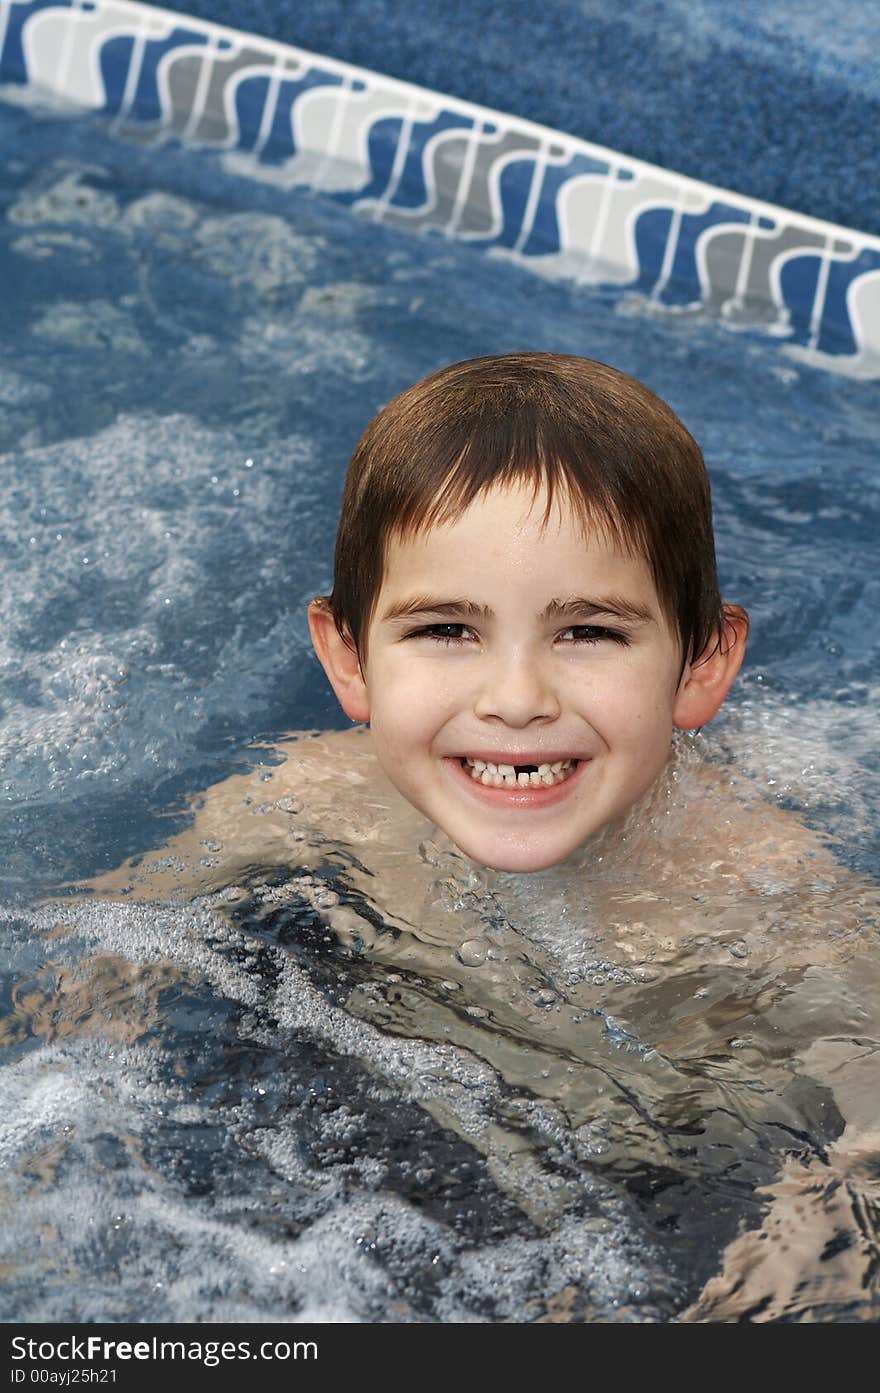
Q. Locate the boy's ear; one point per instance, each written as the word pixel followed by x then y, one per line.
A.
pixel 708 679
pixel 338 657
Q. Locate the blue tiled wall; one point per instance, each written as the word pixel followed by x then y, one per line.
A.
pixel 417 159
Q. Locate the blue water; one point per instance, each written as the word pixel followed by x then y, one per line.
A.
pixel 166 323
pixel 187 362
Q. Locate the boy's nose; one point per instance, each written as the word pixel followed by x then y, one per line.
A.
pixel 515 689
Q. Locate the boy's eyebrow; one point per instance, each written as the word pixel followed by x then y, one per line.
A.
pixel 426 604
pixel 615 605
pixel 577 606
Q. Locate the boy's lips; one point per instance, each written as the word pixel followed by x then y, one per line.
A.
pixel 536 757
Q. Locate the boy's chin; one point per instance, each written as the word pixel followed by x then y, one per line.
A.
pixel 520 859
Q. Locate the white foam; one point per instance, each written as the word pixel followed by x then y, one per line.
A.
pixel 123 1231
pixel 339 300
pixel 257 250
pixel 140 511
pixel 18 390
pixel 305 347
pixel 61 193
pixel 92 324
pixel 812 752
pixel 166 217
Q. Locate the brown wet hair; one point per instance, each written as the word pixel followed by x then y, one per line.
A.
pixel 603 441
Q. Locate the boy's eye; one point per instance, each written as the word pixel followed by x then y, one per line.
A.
pixel 576 633
pixel 442 633
pixel 592 633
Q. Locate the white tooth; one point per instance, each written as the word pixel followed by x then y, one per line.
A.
pixel 543 769
pixel 522 780
pixel 556 767
pixel 506 769
pixel 475 774
pixel 492 768
pixel 498 780
pixel 548 778
pixel 534 780
pixel 479 764
pixel 486 777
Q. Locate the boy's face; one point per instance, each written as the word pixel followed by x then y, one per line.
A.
pixel 497 639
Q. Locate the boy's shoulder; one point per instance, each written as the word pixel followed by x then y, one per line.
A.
pixel 733 832
pixel 311 789
pixel 318 793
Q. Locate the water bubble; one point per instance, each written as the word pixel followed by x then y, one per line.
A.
pixel 473 952
pixel 543 996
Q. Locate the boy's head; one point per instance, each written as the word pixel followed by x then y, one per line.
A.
pixel 525 567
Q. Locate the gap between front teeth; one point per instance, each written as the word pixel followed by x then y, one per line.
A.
pixel 505 775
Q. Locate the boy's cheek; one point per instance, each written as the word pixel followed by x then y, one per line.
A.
pixel 394 740
pixel 401 772
pixel 411 706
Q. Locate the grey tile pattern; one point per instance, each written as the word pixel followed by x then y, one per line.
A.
pixel 415 159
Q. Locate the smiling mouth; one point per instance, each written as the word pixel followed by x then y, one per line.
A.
pixel 518 775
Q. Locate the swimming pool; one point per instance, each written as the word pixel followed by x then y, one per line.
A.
pixel 230 1109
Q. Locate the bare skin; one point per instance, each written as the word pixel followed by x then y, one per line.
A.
pixel 735 896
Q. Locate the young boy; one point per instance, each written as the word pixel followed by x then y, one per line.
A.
pixel 525 606
pixel 525 600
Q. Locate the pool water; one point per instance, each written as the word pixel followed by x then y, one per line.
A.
pixel 234 1106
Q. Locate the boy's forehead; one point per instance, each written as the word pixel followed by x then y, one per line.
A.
pixel 482 559
pixel 520 506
